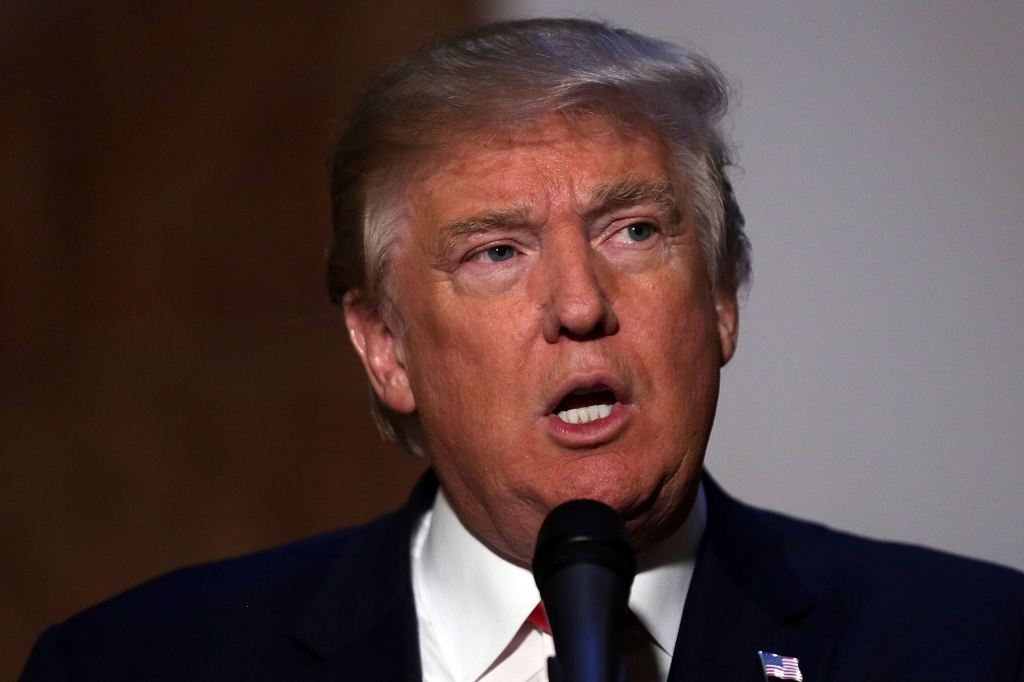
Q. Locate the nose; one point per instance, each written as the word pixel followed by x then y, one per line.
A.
pixel 575 300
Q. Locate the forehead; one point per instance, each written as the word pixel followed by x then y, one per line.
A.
pixel 550 165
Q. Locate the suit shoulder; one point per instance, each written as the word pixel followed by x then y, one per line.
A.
pixel 864 581
pixel 179 624
pixel 280 573
pixel 235 619
pixel 905 604
pixel 820 554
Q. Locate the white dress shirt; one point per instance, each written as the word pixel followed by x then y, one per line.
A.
pixel 472 605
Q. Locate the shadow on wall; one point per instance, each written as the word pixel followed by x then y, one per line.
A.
pixel 174 385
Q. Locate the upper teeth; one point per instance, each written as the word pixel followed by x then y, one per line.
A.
pixel 582 415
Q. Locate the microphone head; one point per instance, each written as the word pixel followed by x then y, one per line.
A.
pixel 583 531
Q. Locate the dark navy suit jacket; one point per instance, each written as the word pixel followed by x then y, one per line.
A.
pixel 340 607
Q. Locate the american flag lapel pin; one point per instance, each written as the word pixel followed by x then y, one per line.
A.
pixel 780 667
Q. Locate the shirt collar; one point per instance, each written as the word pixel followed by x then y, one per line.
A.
pixel 478 600
pixel 663 577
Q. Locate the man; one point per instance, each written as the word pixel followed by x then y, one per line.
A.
pixel 538 255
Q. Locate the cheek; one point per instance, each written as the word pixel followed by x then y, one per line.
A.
pixel 680 341
pixel 462 363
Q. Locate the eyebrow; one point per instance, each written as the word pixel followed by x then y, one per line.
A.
pixel 628 192
pixel 621 193
pixel 453 232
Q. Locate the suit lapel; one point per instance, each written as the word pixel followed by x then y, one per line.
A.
pixel 361 621
pixel 744 598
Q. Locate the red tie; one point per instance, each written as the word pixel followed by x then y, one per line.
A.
pixel 539 618
pixel 633 624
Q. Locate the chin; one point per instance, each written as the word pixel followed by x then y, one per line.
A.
pixel 609 478
pixel 647 494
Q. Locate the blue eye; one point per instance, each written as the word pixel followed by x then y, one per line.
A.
pixel 496 254
pixel 639 232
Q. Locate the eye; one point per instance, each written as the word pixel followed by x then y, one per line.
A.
pixel 497 254
pixel 638 232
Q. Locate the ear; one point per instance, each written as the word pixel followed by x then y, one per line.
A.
pixel 381 353
pixel 728 311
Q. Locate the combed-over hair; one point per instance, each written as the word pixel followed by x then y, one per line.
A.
pixel 509 74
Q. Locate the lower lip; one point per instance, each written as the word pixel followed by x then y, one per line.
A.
pixel 596 432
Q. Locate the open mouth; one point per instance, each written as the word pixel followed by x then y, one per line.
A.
pixel 586 405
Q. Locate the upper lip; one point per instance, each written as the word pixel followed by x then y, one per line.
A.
pixel 598 380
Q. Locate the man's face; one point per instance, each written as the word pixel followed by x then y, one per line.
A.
pixel 555 328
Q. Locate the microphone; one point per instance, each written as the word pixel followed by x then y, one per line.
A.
pixel 584 568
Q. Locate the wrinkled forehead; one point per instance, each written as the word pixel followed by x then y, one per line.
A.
pixel 526 170
pixel 544 133
pixel 467 175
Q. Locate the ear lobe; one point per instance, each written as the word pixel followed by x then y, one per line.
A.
pixel 380 352
pixel 728 312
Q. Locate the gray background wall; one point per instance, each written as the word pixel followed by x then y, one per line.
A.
pixel 879 382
